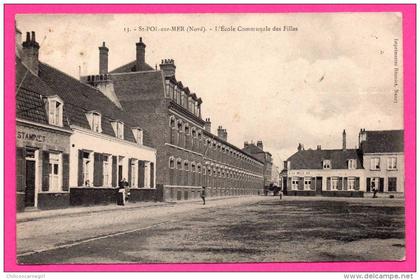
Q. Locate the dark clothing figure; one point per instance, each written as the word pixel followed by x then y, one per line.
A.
pixel 281 193
pixel 375 191
pixel 203 195
pixel 123 192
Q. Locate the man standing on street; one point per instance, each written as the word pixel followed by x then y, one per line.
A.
pixel 203 195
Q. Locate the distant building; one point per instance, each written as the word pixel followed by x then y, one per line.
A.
pixel 258 152
pixel 189 154
pixel 73 145
pixel 379 161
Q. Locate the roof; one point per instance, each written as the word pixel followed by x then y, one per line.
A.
pixel 312 159
pixel 130 86
pixel 78 99
pixel 384 141
pixel 131 67
pixel 253 149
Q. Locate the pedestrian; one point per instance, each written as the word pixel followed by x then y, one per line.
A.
pixel 281 192
pixel 203 195
pixel 375 190
pixel 122 196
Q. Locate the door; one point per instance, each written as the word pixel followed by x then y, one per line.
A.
pixel 367 184
pixel 381 184
pixel 318 185
pixel 30 184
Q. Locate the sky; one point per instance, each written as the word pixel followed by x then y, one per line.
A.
pixel 335 72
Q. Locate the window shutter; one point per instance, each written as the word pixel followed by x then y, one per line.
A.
pixel 66 169
pixel 300 186
pixel 45 171
pixel 152 174
pixel 80 169
pixel 129 172
pixel 345 183
pixel 328 183
pixel 114 171
pixel 368 189
pixel 20 169
pixel 313 183
pixel 356 184
pixel 98 169
pixel 289 183
pixel 141 174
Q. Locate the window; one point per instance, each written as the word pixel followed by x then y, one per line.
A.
pixel 375 164
pixel 55 172
pixel 94 119
pixel 350 184
pixel 392 184
pixel 55 111
pixel 138 135
pixel 168 88
pixel 87 165
pixel 307 184
pixel 106 170
pixel 134 172
pixel 171 163
pixel 295 183
pixel 326 164
pixel 334 184
pixel 186 166
pixel 118 127
pixel 392 163
pixel 179 164
pixel 351 164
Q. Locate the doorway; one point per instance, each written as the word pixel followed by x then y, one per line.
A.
pixel 30 183
pixel 318 185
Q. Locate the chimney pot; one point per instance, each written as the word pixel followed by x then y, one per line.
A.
pixel 28 37
pixel 30 50
pixel 140 55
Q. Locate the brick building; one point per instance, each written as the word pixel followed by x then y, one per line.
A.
pixel 258 152
pixel 73 144
pixel 189 154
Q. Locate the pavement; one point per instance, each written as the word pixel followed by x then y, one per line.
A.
pixel 228 229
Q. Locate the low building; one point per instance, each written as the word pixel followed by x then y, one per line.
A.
pixel 94 144
pixel 329 172
pixel 383 159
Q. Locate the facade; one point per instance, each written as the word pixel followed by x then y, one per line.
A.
pixel 258 152
pixel 76 141
pixel 378 161
pixel 383 159
pixel 189 154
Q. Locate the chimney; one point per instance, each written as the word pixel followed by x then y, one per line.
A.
pixel 18 41
pixel 246 144
pixel 318 147
pixel 222 133
pixel 300 147
pixel 260 145
pixel 207 125
pixel 30 50
pixel 168 67
pixel 140 55
pixel 103 59
pixel 344 140
pixel 362 137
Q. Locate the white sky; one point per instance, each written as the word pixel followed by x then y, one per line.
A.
pixel 336 72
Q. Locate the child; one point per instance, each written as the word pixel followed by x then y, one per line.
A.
pixel 203 195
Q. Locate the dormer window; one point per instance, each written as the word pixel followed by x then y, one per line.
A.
pixel 55 110
pixel 94 119
pixel 326 164
pixel 351 164
pixel 138 135
pixel 118 127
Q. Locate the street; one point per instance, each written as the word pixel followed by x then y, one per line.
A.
pixel 233 229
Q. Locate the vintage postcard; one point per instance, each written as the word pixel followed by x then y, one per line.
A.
pixel 211 138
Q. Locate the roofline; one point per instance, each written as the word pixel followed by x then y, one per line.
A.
pixel 69 131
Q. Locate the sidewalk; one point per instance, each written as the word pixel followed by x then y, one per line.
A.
pixel 77 210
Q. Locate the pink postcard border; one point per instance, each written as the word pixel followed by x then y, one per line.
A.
pixel 409 32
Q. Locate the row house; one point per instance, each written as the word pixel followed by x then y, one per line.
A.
pixel 74 146
pixel 377 162
pixel 189 154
